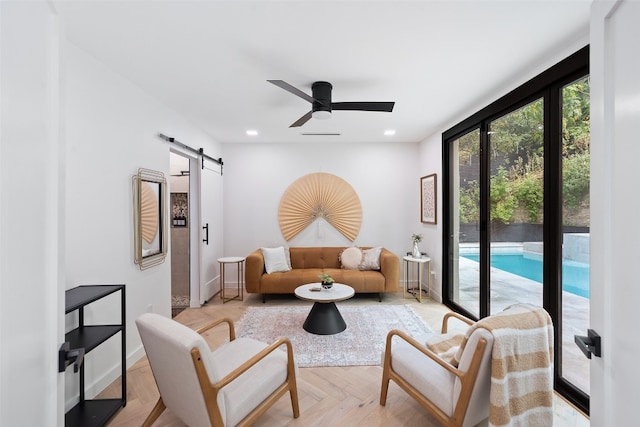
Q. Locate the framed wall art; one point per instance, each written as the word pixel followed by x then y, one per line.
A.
pixel 179 209
pixel 149 218
pixel 428 205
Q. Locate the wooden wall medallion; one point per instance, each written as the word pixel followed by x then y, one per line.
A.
pixel 320 195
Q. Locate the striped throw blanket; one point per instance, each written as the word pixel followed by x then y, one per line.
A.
pixel 521 367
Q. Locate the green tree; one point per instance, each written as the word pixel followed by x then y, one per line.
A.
pixel 576 115
pixel 469 203
pixel 575 180
pixel 503 202
pixel 516 144
pixel 529 192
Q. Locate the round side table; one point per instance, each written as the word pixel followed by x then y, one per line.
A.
pixel 409 263
pixel 239 261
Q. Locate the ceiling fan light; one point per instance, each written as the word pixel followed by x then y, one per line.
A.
pixel 321 114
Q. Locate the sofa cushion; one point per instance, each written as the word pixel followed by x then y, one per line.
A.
pixel 351 258
pixel 370 259
pixel 275 260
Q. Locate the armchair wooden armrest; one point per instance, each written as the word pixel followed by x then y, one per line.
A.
pixel 420 347
pixel 451 314
pixel 232 330
pixel 210 391
pixel 257 358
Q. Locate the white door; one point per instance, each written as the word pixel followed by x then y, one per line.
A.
pixel 210 241
pixel 32 208
pixel 615 235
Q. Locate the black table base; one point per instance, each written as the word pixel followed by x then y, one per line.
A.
pixel 324 319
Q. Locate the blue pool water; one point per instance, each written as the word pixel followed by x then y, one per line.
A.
pixel 575 275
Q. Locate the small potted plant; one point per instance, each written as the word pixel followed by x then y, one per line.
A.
pixel 326 281
pixel 416 238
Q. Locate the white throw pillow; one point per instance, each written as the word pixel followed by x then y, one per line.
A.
pixel 275 259
pixel 371 259
pixel 351 258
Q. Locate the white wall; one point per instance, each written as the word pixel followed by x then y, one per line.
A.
pixel 111 130
pixel 430 156
pixel 385 177
pixel 31 217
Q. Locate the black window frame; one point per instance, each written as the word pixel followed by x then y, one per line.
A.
pixel 546 85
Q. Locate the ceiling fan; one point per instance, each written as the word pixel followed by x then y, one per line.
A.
pixel 321 105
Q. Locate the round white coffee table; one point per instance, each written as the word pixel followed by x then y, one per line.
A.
pixel 324 317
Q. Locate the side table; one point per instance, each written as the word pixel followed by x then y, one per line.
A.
pixel 239 261
pixel 411 263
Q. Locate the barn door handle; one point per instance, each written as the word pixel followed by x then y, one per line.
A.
pixel 206 233
pixel 589 344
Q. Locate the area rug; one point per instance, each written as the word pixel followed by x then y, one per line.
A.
pixel 360 344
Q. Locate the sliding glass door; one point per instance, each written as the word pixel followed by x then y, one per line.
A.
pixel 465 229
pixel 575 227
pixel 516 191
pixel 516 212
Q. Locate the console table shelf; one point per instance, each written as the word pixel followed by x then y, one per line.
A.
pixel 95 412
pixel 89 337
pixel 92 413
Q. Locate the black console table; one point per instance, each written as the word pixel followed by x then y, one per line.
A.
pixel 82 340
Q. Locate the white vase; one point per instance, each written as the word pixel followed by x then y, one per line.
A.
pixel 416 250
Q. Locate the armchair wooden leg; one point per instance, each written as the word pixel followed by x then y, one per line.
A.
pixel 154 414
pixel 386 368
pixel 293 392
pixel 293 382
pixel 384 388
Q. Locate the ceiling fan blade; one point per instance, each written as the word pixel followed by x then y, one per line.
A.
pixel 363 106
pixel 286 86
pixel 302 120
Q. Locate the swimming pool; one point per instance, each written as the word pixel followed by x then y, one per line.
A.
pixel 575 275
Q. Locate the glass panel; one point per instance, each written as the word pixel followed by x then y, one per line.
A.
pixel 575 223
pixel 465 220
pixel 516 161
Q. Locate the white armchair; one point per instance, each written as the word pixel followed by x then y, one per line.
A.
pixel 231 385
pixel 456 396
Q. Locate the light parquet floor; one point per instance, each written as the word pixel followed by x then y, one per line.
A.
pixel 328 396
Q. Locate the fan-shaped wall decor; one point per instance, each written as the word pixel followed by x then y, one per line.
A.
pixel 320 195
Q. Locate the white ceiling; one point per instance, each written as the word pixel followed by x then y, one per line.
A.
pixel 210 59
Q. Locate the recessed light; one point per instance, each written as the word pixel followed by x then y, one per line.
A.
pixel 252 132
pixel 389 132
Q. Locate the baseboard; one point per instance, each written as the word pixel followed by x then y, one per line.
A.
pixel 96 387
pixel 209 291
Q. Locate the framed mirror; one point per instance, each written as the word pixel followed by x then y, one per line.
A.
pixel 149 218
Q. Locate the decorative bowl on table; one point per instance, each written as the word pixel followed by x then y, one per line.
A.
pixel 326 281
pixel 327 285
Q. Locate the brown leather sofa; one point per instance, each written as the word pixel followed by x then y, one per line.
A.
pixel 308 262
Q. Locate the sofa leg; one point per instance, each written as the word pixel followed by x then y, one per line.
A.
pixel 380 297
pixel 264 298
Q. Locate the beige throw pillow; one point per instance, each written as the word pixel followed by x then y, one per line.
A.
pixel 370 259
pixel 351 258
